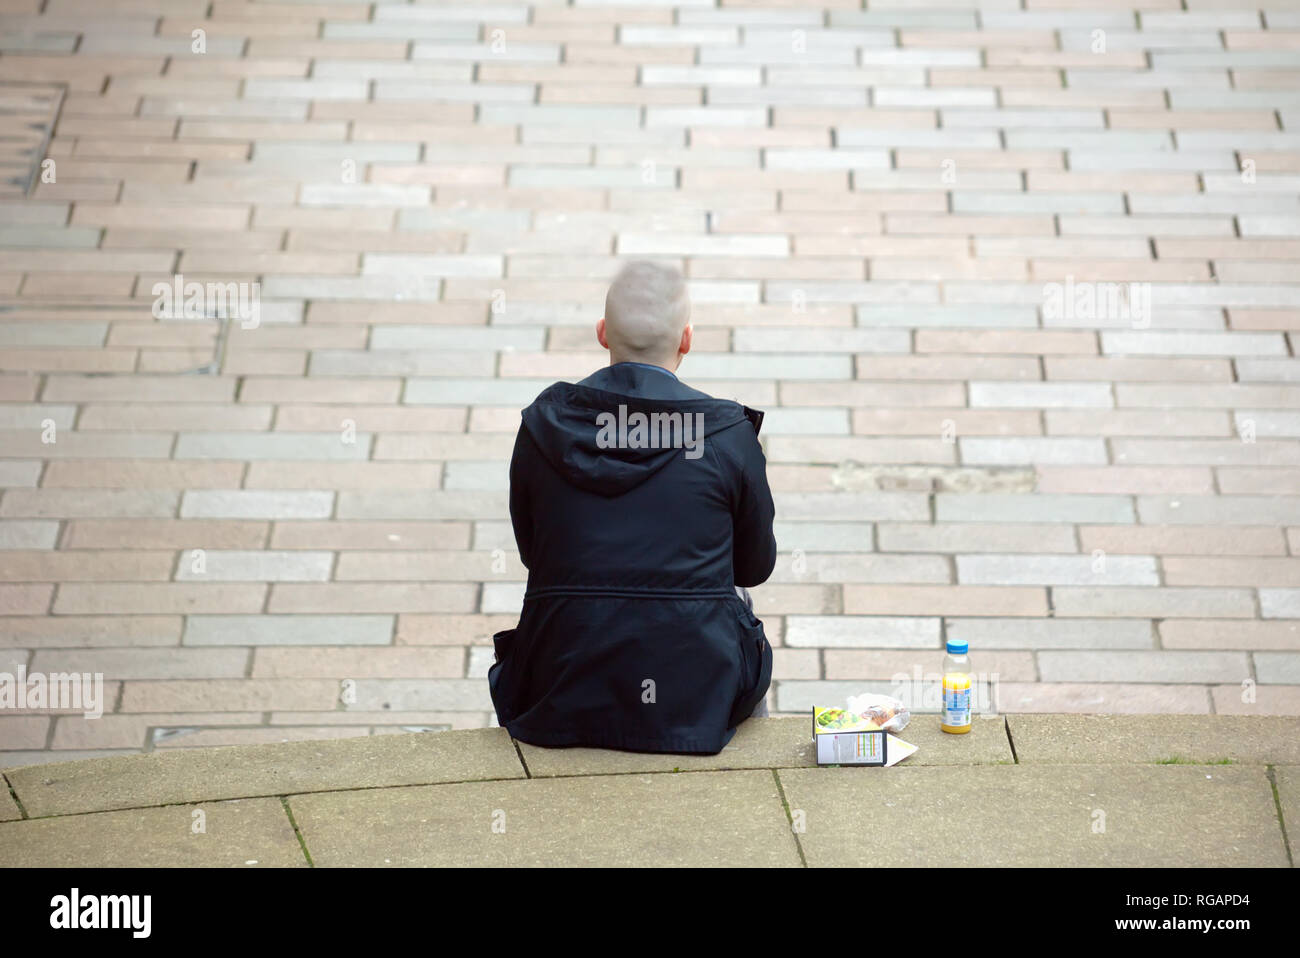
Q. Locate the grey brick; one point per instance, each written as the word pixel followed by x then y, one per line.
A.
pixel 853 506
pixel 770 366
pixel 220 565
pixel 520 52
pixel 944 139
pixel 52 334
pixel 476 475
pixel 458 392
pixel 32 415
pixel 385 288
pixel 34 534
pixel 1028 450
pixel 271 630
pixel 1040 395
pixel 786 421
pixel 457 338
pixel 20 472
pixel 953 537
pixel 1183 343
pixel 996 507
pixel 502 597
pixel 1153 602
pixel 1278 668
pixel 364 194
pixel 444 33
pixel 861 632
pixel 947 316
pixel 683 244
pixel 581 116
pixel 1052 633
pixel 1133 666
pixel 820 340
pixel 836 567
pixel 1037 202
pixel 1279 603
pixel 400 504
pixel 255 504
pixel 1219 510
pixel 271 446
pixel 1056 570
pixel 1090 160
pixel 1268 370
pixel 808 536
pixel 1268 423
pixel 1221 452
pixel 420 695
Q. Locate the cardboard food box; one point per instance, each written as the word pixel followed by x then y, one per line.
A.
pixel 843 738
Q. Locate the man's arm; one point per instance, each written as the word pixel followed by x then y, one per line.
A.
pixel 754 550
pixel 520 516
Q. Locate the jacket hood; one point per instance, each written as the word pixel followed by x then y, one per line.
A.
pixel 608 443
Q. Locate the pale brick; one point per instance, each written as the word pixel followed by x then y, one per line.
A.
pixel 1279 603
pixel 1056 570
pixel 214 565
pixel 348 598
pixel 1153 602
pixel 944 600
pixel 289 630
pixel 952 507
pixel 142 598
pixel 861 632
pixel 1052 633
pixel 1248 635
pixel 367 663
pixel 254 504
pixel 28 534
pixel 1134 666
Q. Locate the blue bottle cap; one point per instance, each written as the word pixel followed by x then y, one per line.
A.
pixel 957 646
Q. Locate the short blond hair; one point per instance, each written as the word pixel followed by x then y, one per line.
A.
pixel 646 309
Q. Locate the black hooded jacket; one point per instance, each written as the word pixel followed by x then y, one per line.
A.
pixel 632 635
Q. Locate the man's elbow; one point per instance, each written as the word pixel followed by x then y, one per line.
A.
pixel 758 567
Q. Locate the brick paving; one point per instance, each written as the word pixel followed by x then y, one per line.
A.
pixel 1016 283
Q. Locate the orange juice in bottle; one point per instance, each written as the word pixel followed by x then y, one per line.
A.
pixel 956 714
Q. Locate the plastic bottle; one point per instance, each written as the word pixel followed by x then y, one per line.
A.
pixel 956 714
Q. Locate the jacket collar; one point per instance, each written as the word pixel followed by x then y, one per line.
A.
pixel 635 379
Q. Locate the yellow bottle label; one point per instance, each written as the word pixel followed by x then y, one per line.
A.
pixel 956 715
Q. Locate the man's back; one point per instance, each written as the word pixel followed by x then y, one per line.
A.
pixel 638 505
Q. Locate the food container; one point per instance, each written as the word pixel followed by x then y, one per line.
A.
pixel 842 737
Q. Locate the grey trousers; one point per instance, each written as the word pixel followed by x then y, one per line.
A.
pixel 760 710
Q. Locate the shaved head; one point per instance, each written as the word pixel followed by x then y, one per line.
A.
pixel 647 312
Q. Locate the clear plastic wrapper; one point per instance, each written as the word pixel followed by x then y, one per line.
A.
pixel 883 711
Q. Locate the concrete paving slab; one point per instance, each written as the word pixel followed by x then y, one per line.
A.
pixel 235 834
pixel 1155 815
pixel 687 819
pixel 1288 795
pixel 9 810
pixel 779 742
pixel 1196 739
pixel 282 768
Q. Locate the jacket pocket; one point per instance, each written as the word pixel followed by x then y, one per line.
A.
pixel 501 643
pixel 756 662
pixel 498 686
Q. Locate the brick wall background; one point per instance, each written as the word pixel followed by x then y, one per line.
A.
pixel 300 529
